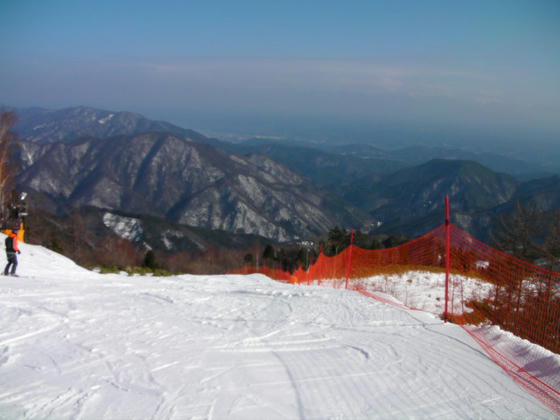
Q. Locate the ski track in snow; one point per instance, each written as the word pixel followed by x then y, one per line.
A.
pixel 75 344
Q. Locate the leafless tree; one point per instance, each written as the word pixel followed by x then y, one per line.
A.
pixel 551 245
pixel 515 233
pixel 7 137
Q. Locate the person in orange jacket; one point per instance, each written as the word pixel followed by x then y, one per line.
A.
pixel 11 250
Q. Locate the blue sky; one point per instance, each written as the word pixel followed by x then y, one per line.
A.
pixel 486 65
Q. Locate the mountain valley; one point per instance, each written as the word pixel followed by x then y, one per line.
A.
pixel 281 191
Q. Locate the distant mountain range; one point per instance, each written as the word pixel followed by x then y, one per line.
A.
pixel 325 169
pixel 402 199
pixel 125 162
pixel 363 159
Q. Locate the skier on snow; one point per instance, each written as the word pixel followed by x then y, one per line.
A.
pixel 11 250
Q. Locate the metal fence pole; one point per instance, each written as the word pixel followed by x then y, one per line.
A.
pixel 447 257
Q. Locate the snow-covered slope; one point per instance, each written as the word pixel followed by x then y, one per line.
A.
pixel 77 344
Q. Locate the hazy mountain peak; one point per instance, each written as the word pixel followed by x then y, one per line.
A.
pixel 68 124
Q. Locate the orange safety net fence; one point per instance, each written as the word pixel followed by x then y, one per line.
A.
pixel 521 297
pixel 487 288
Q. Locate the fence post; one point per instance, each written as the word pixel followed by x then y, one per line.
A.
pixel 321 271
pixel 349 257
pixel 447 257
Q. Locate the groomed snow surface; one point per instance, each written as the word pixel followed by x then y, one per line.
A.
pixel 75 344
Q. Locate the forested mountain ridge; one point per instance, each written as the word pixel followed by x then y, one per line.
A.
pixel 410 201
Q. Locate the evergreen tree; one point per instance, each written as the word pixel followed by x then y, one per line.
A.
pixel 269 255
pixel 337 241
pixel 394 240
pixel 376 243
pixel 248 259
pixel 150 260
pixel 302 257
pixel 56 244
pixel 362 240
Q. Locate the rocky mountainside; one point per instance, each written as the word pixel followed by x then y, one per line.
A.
pixel 190 183
pixel 43 125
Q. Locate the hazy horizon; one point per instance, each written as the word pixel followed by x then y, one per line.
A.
pixel 438 71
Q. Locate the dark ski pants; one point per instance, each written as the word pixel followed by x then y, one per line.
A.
pixel 12 261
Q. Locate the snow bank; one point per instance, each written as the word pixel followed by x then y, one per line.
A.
pixel 426 290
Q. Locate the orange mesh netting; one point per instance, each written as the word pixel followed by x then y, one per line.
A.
pixel 487 288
